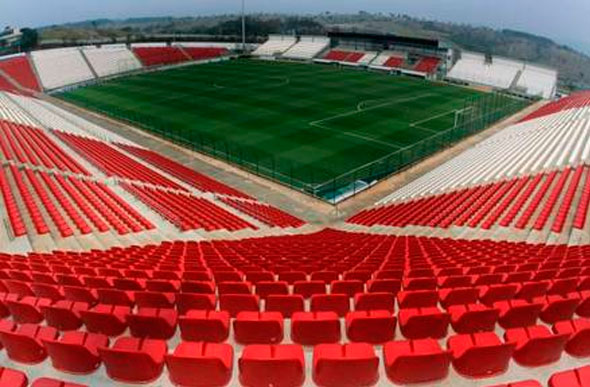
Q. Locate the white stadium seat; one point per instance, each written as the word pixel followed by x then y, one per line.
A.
pixel 111 60
pixel 61 67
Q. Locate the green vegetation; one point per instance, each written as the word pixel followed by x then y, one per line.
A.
pixel 303 125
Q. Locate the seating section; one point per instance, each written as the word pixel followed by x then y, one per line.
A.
pixel 159 55
pixel 474 68
pixel 187 212
pixel 114 163
pixel 28 145
pixel 111 60
pixel 529 177
pixel 189 176
pixel 19 69
pixel 202 53
pixel 6 85
pixel 572 102
pixel 275 45
pixel 349 56
pixel 394 62
pixel 503 204
pixel 538 81
pixel 120 309
pixel 426 65
pixel 10 111
pixel 50 65
pixel 71 204
pixel 53 117
pixel 308 47
pixel 271 216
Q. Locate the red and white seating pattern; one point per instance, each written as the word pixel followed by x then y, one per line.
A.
pixel 389 60
pixel 29 145
pixel 351 57
pixel 241 312
pixel 539 202
pixel 70 203
pixel 427 65
pixel 188 212
pixel 531 175
pixel 271 216
pixel 114 163
pixel 189 176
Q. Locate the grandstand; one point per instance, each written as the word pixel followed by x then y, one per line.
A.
pixel 111 60
pixel 127 259
pixel 275 45
pixel 308 47
pixel 502 73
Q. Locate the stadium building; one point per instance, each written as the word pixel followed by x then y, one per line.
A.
pixel 344 210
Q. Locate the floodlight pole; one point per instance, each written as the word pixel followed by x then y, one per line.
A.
pixel 244 25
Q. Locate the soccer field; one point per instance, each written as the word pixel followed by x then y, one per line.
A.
pixel 301 124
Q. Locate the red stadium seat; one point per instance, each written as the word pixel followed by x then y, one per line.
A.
pixel 285 304
pixel 473 318
pixel 65 315
pixel 236 303
pixel 76 352
pixel 49 382
pixel 204 325
pixel 421 323
pixel 415 361
pixel 374 301
pixel 480 354
pixel 110 320
pixel 535 345
pixel 518 313
pixel 258 328
pixel 338 303
pixel 272 365
pixel 578 331
pixel 25 344
pixel 353 364
pixel 134 360
pixel 12 378
pixel 375 326
pixel 153 323
pixel 578 377
pixel 311 328
pixel 212 363
pixel 27 309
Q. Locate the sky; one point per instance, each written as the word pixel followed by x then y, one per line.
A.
pixel 565 21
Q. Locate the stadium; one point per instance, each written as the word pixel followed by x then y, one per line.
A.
pixel 347 209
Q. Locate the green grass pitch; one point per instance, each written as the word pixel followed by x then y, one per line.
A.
pixel 310 122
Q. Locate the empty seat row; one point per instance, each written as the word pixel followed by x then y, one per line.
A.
pixel 269 215
pixel 187 175
pixel 140 360
pixel 114 163
pixel 32 146
pixel 188 212
pixel 162 55
pixel 502 204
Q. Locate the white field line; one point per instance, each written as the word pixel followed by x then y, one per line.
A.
pixel 357 110
pixel 350 134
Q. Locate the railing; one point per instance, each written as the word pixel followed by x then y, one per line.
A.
pixel 478 113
